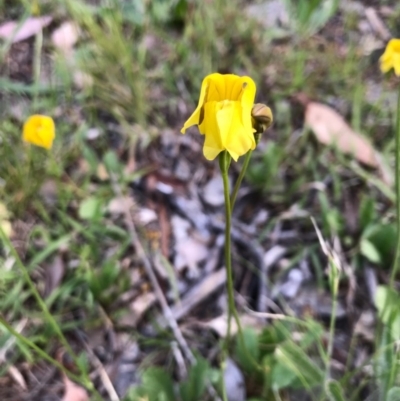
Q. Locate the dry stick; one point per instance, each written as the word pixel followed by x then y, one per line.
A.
pixel 105 378
pixel 156 286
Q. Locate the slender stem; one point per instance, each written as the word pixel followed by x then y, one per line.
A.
pixel 224 164
pixel 396 263
pixel 224 161
pixel 37 66
pixel 223 385
pixel 334 279
pixel 240 178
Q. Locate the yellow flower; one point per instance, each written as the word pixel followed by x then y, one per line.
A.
pixel 39 130
pixel 224 115
pixel 391 57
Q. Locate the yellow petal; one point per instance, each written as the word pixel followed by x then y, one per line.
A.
pixel 391 57
pixel 234 86
pixel 387 55
pixel 393 45
pixel 213 143
pixel 225 119
pixel 247 100
pixel 224 87
pixel 386 66
pixel 39 130
pixel 233 135
pixel 240 139
pixel 396 63
pixel 217 88
pixel 195 117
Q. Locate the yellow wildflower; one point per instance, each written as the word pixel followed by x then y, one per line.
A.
pixel 39 130
pixel 224 115
pixel 391 57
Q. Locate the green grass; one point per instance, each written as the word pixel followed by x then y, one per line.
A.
pixel 146 61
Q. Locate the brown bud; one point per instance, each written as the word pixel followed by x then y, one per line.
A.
pixel 261 116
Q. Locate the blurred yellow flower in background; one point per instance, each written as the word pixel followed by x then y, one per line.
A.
pixel 39 130
pixel 224 115
pixel 391 57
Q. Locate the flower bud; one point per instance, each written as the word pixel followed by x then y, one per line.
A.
pixel 261 117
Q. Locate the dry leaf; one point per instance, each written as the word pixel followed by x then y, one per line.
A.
pixel 220 324
pixel 331 129
pixel 140 306
pixel 82 80
pixel 190 248
pixel 17 377
pixel 120 205
pixel 73 392
pixel 65 37
pixel 102 172
pixel 54 275
pixel 31 27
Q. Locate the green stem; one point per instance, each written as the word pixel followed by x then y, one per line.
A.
pixel 224 161
pixel 37 66
pixel 223 386
pixel 334 279
pixel 396 263
pixel 240 178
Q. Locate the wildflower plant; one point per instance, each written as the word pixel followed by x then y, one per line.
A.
pixel 386 296
pixel 391 59
pixel 232 126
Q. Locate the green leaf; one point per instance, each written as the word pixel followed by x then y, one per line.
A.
pixel 90 209
pixel 196 382
pixel 393 394
pixel 90 156
pixel 51 248
pixel 387 301
pixel 158 385
pixel 385 362
pixel 111 162
pixel 334 391
pixel 367 212
pixel 368 249
pixel 383 237
pixel 282 376
pixel 296 360
pixel 269 338
pixel 248 354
